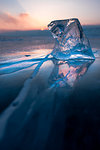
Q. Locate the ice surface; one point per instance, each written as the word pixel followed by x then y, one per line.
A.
pixel 71 42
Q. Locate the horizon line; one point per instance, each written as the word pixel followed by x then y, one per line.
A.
pixel 40 29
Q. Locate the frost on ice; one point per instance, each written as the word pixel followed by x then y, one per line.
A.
pixel 70 40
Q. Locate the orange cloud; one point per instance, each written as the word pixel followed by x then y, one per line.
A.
pixel 22 21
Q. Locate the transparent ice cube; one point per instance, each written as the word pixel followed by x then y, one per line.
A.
pixel 70 40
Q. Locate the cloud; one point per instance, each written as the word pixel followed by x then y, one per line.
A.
pixel 23 21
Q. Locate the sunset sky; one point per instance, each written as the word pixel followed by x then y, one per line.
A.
pixel 36 14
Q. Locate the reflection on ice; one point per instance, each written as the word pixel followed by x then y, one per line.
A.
pixel 66 73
